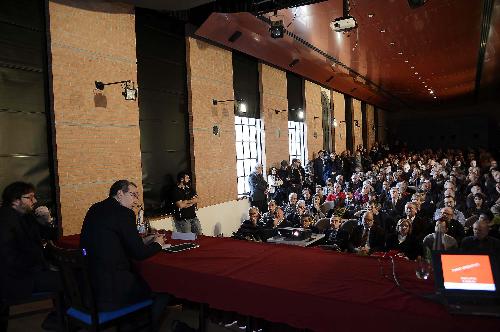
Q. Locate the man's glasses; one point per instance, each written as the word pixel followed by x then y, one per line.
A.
pixel 30 197
pixel 134 194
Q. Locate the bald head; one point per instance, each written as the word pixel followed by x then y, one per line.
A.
pixel 481 229
pixel 368 219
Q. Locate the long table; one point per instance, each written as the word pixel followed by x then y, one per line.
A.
pixel 306 288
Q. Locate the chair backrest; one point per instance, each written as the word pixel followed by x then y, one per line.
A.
pixel 327 206
pixel 349 225
pixel 72 264
pixel 323 224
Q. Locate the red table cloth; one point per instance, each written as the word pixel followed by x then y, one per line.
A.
pixel 303 287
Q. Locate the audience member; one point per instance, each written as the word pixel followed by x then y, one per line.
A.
pixel 481 241
pixel 258 188
pixel 110 238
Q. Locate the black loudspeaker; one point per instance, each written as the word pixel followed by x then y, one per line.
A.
pixel 416 3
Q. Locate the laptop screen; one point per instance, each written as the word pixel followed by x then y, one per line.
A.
pixel 467 272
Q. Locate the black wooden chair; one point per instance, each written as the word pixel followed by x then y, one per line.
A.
pixel 82 311
pixel 36 297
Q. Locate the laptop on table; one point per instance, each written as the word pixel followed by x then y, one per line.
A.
pixel 468 283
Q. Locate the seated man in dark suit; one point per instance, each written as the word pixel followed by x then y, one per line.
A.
pixel 110 237
pixel 481 241
pixel 250 228
pixel 335 236
pixel 367 237
pixel 24 268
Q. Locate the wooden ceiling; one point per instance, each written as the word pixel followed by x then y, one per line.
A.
pixel 392 60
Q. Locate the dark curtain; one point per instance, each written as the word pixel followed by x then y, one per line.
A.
pixel 348 122
pixel 364 127
pixel 25 146
pixel 327 121
pixel 245 84
pixel 163 111
pixel 295 95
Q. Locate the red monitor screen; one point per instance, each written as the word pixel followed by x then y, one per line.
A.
pixel 467 272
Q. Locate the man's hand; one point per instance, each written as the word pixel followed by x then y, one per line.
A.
pixel 159 239
pixel 194 200
pixel 42 214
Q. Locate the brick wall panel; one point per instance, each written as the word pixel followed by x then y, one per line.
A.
pixel 314 115
pixel 92 40
pixel 339 114
pixel 273 91
pixel 210 76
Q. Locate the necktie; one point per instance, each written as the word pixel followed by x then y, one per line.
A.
pixel 364 237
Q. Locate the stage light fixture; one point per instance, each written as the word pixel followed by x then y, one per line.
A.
pixel 277 29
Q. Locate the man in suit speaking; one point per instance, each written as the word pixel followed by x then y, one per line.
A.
pixel 110 237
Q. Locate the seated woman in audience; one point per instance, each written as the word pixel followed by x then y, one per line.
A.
pixel 337 196
pixel 267 219
pixel 403 240
pixel 319 192
pixel 293 219
pixel 361 195
pixel 479 206
pixel 328 187
pixel 275 183
pixel 315 208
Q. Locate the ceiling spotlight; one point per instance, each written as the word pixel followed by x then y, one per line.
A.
pixel 392 43
pixel 416 73
pixel 435 97
pixel 431 92
pixel 382 31
pixel 425 86
pixel 370 15
pixel 400 53
pixel 406 61
pixel 412 67
pixel 277 29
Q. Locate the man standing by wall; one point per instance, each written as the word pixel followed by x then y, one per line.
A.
pixel 185 199
pixel 258 189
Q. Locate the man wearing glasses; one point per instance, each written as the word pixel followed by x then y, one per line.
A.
pixel 24 268
pixel 110 238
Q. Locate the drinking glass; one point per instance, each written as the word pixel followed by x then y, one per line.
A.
pixel 423 269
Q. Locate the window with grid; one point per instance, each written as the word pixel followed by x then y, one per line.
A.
pixel 297 141
pixel 249 138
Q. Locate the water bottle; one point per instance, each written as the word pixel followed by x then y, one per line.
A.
pixel 141 226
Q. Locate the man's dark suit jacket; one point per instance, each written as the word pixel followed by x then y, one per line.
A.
pixel 258 186
pixel 110 237
pixel 376 238
pixel 411 247
pixel 488 244
pixel 420 228
pixel 21 253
